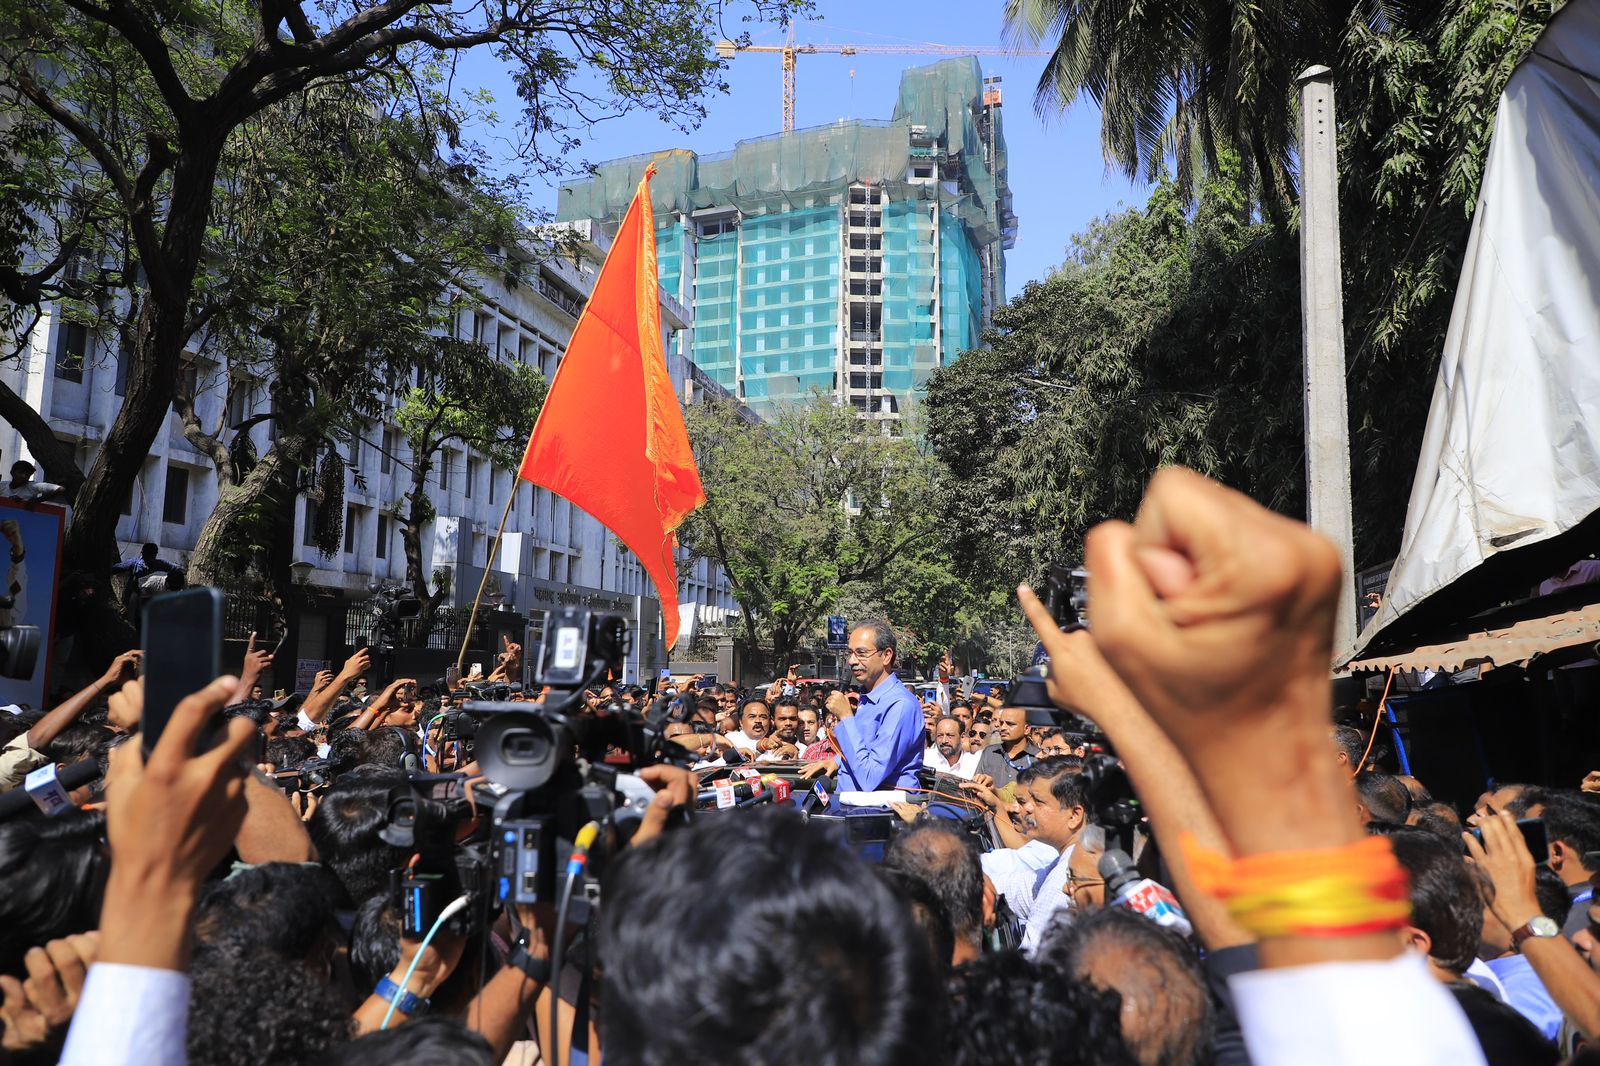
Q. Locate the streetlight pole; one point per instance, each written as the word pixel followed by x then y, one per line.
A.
pixel 1327 415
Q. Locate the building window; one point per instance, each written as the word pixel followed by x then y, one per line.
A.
pixel 444 471
pixel 350 529
pixel 72 344
pixel 124 361
pixel 472 476
pixel 175 508
pixel 308 536
pixel 383 536
pixel 386 454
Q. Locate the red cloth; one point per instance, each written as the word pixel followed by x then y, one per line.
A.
pixel 611 437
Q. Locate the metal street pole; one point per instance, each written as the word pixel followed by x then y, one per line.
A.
pixel 1322 324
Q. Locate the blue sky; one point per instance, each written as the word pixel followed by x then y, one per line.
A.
pixel 1058 177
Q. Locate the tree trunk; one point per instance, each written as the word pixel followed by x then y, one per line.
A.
pixel 54 456
pixel 418 511
pixel 160 337
pixel 245 514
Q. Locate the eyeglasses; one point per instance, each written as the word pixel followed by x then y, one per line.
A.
pixel 863 654
pixel 1076 884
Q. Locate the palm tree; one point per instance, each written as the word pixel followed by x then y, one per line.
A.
pixel 1180 82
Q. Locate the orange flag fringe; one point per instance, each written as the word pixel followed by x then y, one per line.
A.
pixel 611 438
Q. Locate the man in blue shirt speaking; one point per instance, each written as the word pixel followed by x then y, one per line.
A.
pixel 880 741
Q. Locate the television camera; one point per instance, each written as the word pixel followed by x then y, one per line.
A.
pixel 552 767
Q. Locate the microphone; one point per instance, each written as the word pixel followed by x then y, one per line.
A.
pixel 77 775
pixel 1125 888
pixel 732 757
pixel 769 788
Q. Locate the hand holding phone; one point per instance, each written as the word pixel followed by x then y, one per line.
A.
pixel 182 656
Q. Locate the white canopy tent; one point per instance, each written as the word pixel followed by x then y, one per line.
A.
pixel 1511 454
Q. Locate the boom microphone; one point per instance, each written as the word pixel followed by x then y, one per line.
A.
pixel 77 775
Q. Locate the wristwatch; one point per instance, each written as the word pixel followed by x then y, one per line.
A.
pixel 1540 927
pixel 535 969
pixel 407 1003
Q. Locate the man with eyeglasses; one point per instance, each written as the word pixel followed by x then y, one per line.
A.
pixel 879 740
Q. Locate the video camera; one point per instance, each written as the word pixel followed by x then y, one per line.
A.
pixel 551 767
pixel 390 606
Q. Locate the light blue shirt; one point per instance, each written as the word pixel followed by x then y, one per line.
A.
pixel 882 742
pixel 1527 993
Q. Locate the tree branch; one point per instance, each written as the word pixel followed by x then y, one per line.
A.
pixel 146 40
pixel 53 454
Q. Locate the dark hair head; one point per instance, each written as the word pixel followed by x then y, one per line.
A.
pixel 386 747
pixel 1065 774
pixel 148 549
pixel 427 1041
pixel 947 860
pixel 1574 822
pixel 1528 797
pixel 52 877
pixel 285 753
pixel 347 749
pixel 802 896
pixel 960 725
pixel 1445 901
pixel 1554 901
pixel 250 1007
pixel 1004 1008
pixel 1169 1016
pixel 882 638
pixel 345 828
pixel 929 914
pixel 279 907
pixel 1351 741
pixel 374 941
pixel 79 741
pixel 1384 796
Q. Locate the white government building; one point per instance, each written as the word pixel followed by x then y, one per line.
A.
pixel 553 553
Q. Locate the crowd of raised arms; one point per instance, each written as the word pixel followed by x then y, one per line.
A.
pixel 229 895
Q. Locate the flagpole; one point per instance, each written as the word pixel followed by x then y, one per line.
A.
pixel 488 565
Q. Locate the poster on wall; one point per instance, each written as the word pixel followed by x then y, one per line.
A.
pixel 30 540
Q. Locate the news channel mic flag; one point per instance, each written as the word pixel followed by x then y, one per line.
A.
pixel 30 535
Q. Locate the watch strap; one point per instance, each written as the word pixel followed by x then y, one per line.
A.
pixel 1526 931
pixel 407 1003
pixel 536 969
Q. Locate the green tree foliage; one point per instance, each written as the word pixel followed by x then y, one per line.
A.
pixel 345 250
pixel 116 116
pixel 1172 333
pixel 799 509
pixel 1167 337
pixel 466 397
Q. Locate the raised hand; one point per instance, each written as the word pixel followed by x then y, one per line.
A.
pixel 35 1009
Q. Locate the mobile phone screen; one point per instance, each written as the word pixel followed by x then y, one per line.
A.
pixel 182 654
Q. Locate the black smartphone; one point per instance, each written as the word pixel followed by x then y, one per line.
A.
pixel 1533 835
pixel 182 654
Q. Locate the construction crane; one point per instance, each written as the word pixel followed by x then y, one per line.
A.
pixel 728 49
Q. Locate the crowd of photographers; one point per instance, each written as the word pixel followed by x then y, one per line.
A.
pixel 240 895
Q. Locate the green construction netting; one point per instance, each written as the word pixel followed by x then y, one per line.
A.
pixel 960 295
pixel 809 168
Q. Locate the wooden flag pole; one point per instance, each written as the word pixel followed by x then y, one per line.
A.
pixel 488 565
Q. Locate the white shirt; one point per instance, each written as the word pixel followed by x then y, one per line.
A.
pixel 1337 1013
pixel 1050 900
pixel 129 1016
pixel 966 763
pixel 1016 873
pixel 745 742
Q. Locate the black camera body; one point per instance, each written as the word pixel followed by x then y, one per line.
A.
pixel 551 766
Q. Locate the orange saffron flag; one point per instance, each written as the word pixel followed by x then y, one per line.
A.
pixel 611 438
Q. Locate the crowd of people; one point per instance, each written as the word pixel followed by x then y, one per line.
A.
pixel 1273 899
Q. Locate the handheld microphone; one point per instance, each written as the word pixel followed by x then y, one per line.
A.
pixel 747 793
pixel 77 775
pixel 1127 889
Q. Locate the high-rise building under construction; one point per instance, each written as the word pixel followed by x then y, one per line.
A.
pixel 851 259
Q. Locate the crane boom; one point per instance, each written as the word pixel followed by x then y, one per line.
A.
pixel 790 50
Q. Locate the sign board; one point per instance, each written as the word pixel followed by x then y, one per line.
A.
pixel 1373 580
pixel 838 632
pixel 306 671
pixel 30 553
